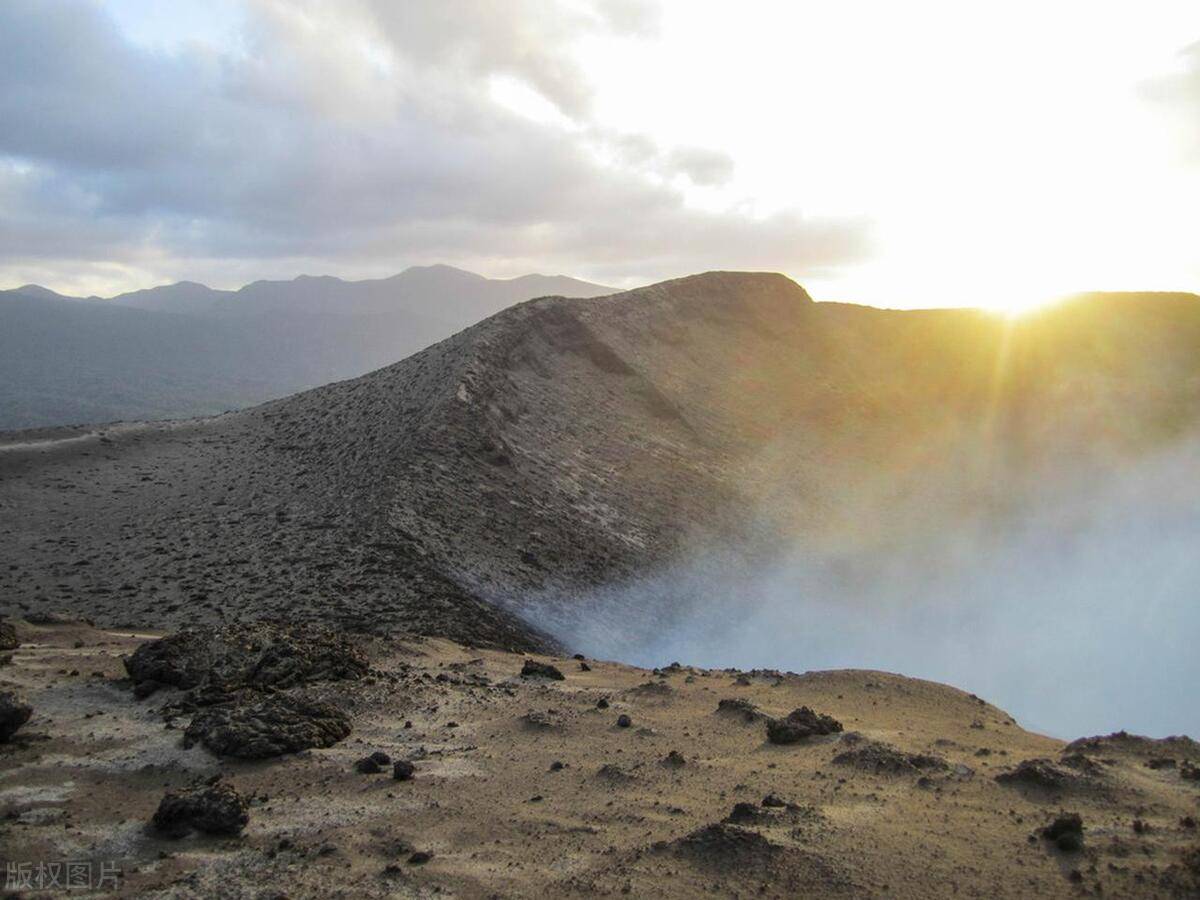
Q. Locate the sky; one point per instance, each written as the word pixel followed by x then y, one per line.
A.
pixel 916 154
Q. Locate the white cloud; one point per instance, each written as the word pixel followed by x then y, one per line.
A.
pixel 352 137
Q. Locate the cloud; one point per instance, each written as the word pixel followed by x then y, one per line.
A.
pixel 1180 93
pixel 353 136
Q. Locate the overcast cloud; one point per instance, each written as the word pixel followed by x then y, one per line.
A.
pixel 353 138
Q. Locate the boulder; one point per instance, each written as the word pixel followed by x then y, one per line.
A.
pixel 884 759
pixel 800 724
pixel 1066 832
pixel 272 726
pixel 535 669
pixel 14 712
pixel 259 656
pixel 212 809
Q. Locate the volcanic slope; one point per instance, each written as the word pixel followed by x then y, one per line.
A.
pixel 566 444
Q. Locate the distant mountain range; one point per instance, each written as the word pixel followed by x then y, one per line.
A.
pixel 186 349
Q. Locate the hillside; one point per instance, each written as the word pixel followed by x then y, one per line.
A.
pixel 563 447
pixel 185 349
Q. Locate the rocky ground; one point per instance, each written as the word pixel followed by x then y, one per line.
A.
pixel 421 767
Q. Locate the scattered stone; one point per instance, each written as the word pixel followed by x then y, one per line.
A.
pixel 557 766
pixel 277 724
pixel 674 760
pixel 14 712
pixel 212 809
pixel 771 801
pixel 368 765
pixel 800 724
pixel 403 770
pixel 881 758
pixel 721 845
pixel 1038 773
pixel 602 703
pixel 535 669
pixel 420 857
pixel 542 720
pixel 747 814
pixel 742 708
pixel 623 721
pixel 1066 832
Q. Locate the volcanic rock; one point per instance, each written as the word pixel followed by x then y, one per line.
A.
pixel 212 809
pixel 272 726
pixel 14 713
pixel 258 656
pixel 881 758
pixel 535 669
pixel 800 724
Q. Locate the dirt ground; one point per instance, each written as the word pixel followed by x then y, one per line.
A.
pixel 526 787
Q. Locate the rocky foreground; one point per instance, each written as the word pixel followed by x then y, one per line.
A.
pixel 273 760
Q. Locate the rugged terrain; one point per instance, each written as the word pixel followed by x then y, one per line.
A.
pixel 565 446
pixel 529 787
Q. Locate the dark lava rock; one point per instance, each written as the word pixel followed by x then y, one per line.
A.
pixel 257 656
pixel 14 712
pixel 420 857
pixel 881 758
pixel 746 814
pixel 1122 742
pixel 1066 832
pixel 542 720
pixel 653 689
pixel 1038 773
pixel 403 770
pixel 212 809
pixel 535 669
pixel 623 721
pixel 722 845
pixel 772 801
pixel 674 760
pixel 277 724
pixel 8 636
pixel 742 708
pixel 602 703
pixel 368 765
pixel 1081 763
pixel 800 724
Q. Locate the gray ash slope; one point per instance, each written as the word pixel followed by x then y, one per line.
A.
pixel 558 446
